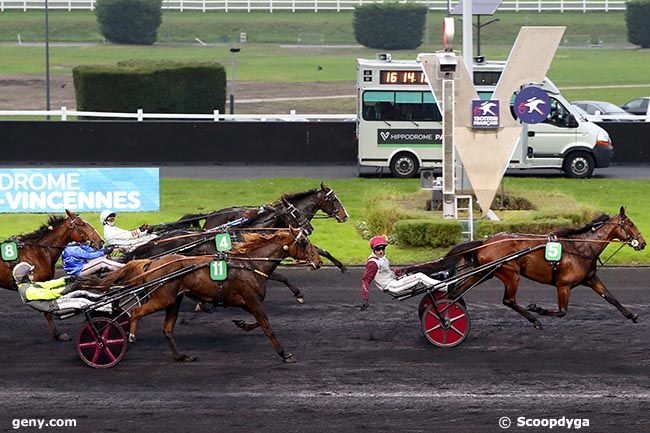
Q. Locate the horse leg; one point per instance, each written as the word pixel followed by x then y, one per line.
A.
pixel 563 293
pixel 598 287
pixel 511 282
pixel 51 326
pixel 151 306
pixel 331 258
pixel 246 326
pixel 300 297
pixel 171 314
pixel 260 316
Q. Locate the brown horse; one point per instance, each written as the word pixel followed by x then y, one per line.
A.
pixel 249 266
pixel 43 247
pixel 578 264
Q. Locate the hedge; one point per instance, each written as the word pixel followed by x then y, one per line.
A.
pixel 155 87
pixel 637 17
pixel 129 21
pixel 390 26
pixel 428 232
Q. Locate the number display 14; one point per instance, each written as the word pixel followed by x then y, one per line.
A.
pixel 402 77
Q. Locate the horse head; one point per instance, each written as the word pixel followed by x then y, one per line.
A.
pixel 82 232
pixel 626 231
pixel 331 205
pixel 302 249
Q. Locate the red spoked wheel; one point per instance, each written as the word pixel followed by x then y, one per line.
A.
pixel 101 343
pixel 426 301
pixel 450 327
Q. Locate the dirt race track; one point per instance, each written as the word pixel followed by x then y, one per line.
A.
pixel 357 371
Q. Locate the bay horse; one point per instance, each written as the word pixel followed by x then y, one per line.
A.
pixel 249 266
pixel 42 249
pixel 581 249
pixel 281 214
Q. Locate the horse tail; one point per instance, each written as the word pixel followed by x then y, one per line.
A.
pixel 450 262
pixel 462 257
pixel 131 269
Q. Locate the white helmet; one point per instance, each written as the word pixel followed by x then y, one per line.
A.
pixel 21 270
pixel 105 214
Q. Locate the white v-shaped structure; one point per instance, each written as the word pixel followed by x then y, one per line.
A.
pixel 485 153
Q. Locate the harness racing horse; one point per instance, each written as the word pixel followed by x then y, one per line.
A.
pixel 43 247
pixel 281 215
pixel 249 266
pixel 308 203
pixel 302 205
pixel 581 249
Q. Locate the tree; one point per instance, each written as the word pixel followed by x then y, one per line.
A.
pixel 637 17
pixel 390 26
pixel 133 22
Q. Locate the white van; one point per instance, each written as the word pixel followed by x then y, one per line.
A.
pixel 399 124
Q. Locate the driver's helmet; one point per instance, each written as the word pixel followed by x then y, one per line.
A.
pixel 378 241
pixel 105 214
pixel 21 270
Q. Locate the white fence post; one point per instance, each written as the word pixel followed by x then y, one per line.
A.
pixel 92 5
pixel 64 114
pixel 539 6
pixel 216 115
pixel 248 8
pixel 293 6
pixel 316 6
pixel 203 6
pixel 140 116
pixel 584 6
pixel 24 5
pixel 270 6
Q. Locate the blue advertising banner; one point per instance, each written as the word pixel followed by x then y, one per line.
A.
pixel 79 189
pixel 532 105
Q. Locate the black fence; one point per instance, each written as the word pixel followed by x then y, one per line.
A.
pixel 128 142
pixel 278 142
pixel 631 141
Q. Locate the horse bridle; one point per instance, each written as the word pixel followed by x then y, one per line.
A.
pixel 329 196
pixel 632 240
pixel 73 226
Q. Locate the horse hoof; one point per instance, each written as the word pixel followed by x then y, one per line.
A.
pixel 344 269
pixel 185 358
pixel 531 307
pixel 538 325
pixel 289 359
pixel 62 337
pixel 635 318
pixel 131 339
pixel 300 299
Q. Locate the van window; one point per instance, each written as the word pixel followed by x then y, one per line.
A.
pixel 400 106
pixel 486 78
pixel 559 115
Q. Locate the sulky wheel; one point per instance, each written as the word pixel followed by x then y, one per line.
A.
pixel 121 317
pixel 101 343
pixel 426 301
pixel 448 330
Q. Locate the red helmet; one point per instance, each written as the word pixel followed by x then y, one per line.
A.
pixel 377 241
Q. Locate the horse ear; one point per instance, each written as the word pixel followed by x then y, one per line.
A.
pixel 71 215
pixel 622 211
pixel 322 185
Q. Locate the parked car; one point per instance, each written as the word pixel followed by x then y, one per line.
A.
pixel 637 106
pixel 603 111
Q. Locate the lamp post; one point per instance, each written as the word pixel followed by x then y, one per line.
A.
pixel 233 51
pixel 47 60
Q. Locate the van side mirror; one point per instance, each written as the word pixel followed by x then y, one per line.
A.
pixel 572 122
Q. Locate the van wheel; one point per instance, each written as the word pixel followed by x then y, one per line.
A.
pixel 579 165
pixel 404 165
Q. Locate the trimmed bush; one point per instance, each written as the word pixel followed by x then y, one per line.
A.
pixel 156 87
pixel 390 26
pixel 539 226
pixel 133 22
pixel 637 18
pixel 428 232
